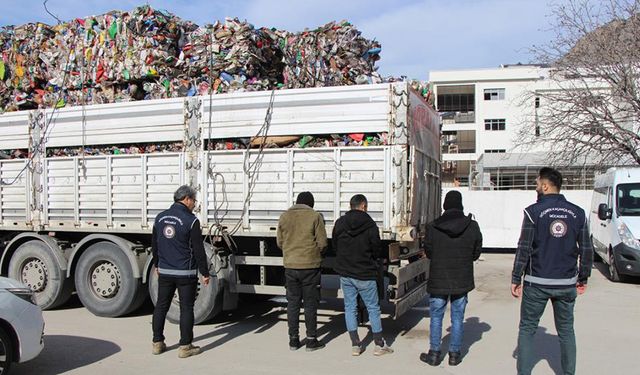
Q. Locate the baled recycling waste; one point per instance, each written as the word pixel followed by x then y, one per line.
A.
pixel 151 54
pixel 307 141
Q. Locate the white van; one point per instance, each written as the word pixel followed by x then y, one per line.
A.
pixel 614 221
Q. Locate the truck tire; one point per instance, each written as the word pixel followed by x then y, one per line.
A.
pixel 105 282
pixel 35 266
pixel 6 352
pixel 208 299
pixel 614 275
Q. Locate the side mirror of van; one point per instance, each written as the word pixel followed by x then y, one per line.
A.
pixel 604 212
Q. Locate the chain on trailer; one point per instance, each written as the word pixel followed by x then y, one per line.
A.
pixel 250 169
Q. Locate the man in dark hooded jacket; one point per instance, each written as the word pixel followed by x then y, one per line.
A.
pixel 356 241
pixel 453 242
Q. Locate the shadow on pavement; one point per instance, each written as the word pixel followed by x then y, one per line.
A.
pixel 248 318
pixel 260 317
pixel 72 303
pixel 473 331
pixel 63 353
pixel 391 328
pixel 547 348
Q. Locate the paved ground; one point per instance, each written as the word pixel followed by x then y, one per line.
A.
pixel 253 340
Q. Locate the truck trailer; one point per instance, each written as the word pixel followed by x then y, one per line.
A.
pixel 83 223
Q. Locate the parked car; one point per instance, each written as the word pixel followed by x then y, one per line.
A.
pixel 21 325
pixel 614 221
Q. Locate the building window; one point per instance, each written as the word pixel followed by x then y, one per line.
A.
pixel 493 94
pixel 495 151
pixel 456 103
pixel 494 124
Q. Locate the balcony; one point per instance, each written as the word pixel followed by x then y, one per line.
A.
pixel 459 148
pixel 458 117
pixel 458 142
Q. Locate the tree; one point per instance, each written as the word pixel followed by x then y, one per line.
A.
pixel 588 108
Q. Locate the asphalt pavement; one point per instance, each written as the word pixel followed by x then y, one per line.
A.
pixel 253 339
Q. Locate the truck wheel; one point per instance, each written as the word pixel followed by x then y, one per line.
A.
pixel 105 282
pixel 208 300
pixel 613 270
pixel 35 266
pixel 6 352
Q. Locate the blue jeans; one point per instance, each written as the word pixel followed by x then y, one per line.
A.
pixel 437 306
pixel 368 291
pixel 534 300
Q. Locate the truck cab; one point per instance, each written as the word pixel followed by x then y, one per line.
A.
pixel 614 221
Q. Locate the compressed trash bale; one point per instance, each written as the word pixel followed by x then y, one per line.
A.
pixel 151 54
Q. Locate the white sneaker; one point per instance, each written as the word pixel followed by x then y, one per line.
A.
pixel 382 350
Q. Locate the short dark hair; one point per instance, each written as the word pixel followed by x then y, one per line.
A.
pixel 357 200
pixel 305 198
pixel 551 175
pixel 184 191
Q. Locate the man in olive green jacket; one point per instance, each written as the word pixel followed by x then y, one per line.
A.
pixel 303 239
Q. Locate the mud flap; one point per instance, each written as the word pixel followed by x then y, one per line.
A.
pixel 408 279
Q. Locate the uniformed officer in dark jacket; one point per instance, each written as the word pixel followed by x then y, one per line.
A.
pixel 453 242
pixel 178 255
pixel 554 235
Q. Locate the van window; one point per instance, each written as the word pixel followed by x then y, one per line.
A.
pixel 628 199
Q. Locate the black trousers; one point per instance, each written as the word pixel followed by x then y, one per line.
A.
pixel 302 286
pixel 167 286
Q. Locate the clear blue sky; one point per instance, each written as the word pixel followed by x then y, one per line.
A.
pixel 416 35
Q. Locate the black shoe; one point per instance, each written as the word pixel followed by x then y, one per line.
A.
pixel 432 358
pixel 454 358
pixel 294 343
pixel 314 344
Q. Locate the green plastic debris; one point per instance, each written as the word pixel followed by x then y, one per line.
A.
pixel 304 141
pixel 113 29
pixel 167 84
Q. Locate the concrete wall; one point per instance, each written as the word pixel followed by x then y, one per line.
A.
pixel 499 213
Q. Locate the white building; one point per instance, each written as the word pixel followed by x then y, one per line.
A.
pixel 482 111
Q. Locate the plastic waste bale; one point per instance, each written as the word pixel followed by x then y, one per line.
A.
pixel 333 54
pixel 149 54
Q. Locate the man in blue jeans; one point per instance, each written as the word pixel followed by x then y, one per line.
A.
pixel 453 242
pixel 554 235
pixel 356 241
